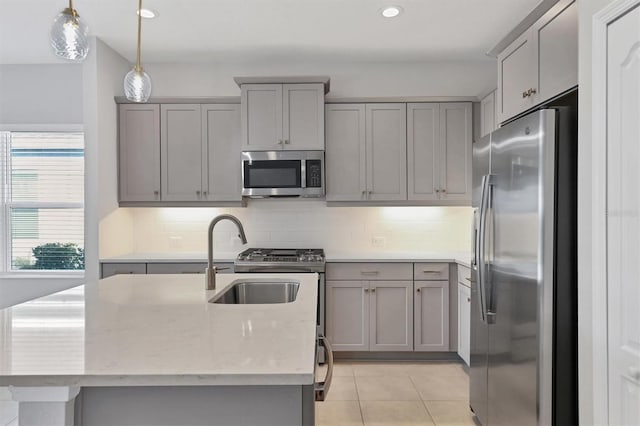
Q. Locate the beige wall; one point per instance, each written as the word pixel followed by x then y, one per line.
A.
pixel 303 223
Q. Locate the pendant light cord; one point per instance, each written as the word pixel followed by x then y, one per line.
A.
pixel 138 67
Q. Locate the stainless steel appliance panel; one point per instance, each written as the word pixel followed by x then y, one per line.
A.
pixel 479 330
pixel 516 307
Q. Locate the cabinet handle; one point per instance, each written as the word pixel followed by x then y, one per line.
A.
pixel 426 271
pixel 530 92
pixel 468 299
pixel 364 193
pixel 369 272
pixel 524 94
pixel 418 289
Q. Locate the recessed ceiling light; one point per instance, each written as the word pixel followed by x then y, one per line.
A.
pixel 148 13
pixel 391 11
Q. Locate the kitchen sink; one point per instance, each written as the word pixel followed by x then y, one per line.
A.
pixel 243 292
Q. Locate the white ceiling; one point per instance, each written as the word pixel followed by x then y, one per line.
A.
pixel 287 30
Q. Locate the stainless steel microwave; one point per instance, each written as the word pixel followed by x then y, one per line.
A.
pixel 282 174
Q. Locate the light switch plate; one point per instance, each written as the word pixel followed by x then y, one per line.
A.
pixel 378 241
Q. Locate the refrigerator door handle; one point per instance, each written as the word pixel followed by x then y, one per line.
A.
pixel 480 247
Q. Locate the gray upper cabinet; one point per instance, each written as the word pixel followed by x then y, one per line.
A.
pixel 488 114
pixel 139 152
pixel 423 140
pixel 346 171
pixel 366 152
pixel 556 41
pixel 541 63
pixel 386 150
pixel 182 151
pixel 179 153
pixel 439 152
pixel 282 116
pixel 221 180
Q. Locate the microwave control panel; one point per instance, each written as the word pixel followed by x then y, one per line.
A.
pixel 314 173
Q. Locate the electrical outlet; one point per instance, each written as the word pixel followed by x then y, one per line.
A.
pixel 378 241
pixel 175 242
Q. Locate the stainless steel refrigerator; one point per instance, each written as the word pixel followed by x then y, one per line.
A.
pixel 523 367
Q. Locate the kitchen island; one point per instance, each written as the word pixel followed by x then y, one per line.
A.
pixel 152 349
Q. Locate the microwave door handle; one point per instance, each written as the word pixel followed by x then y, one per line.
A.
pixel 303 173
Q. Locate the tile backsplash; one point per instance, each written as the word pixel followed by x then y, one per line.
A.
pixel 303 223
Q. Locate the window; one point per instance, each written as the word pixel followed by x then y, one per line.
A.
pixel 42 205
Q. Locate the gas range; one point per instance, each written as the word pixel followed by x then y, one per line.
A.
pixel 280 260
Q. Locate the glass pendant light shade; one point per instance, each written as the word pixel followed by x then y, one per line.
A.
pixel 137 85
pixel 69 36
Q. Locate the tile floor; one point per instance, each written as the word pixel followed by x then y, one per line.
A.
pixel 396 393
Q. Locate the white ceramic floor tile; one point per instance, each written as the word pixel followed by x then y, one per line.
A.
pixel 450 413
pixel 442 388
pixel 363 369
pixel 395 413
pixel 435 369
pixel 343 389
pixel 338 413
pixel 340 369
pixel 386 388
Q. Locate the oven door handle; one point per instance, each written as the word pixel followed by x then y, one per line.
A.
pixel 322 388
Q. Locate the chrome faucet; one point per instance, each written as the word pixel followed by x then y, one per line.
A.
pixel 210 272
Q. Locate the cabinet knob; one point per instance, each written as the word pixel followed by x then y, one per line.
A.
pixel 443 190
pixel 468 299
pixel 437 190
pixel 204 193
pixel 366 290
pixel 373 290
pixel 156 193
pixel 286 141
pixel 280 142
pixel 418 289
pixel 197 192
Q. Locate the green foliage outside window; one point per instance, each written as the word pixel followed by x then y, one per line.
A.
pixel 67 256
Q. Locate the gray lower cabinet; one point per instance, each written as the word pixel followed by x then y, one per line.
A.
pixel 464 322
pixel 109 269
pixel 370 306
pixel 431 313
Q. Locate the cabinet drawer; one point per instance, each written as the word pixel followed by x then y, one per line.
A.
pixel 184 268
pixel 431 271
pixel 464 275
pixel 109 269
pixel 369 271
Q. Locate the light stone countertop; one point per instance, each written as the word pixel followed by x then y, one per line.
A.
pixel 460 257
pixel 159 330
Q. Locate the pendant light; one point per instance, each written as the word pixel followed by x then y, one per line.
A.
pixel 137 83
pixel 69 35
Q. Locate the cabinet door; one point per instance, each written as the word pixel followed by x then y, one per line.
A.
pixel 221 180
pixel 182 152
pixel 423 136
pixel 455 151
pixel 303 116
pixel 516 74
pixel 345 155
pixel 109 269
pixel 431 315
pixel 262 117
pixel 391 308
pixel 555 38
pixel 347 315
pixel 464 322
pixel 386 152
pixel 139 152
pixel 488 114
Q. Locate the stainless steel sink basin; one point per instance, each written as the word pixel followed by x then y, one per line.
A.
pixel 259 292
